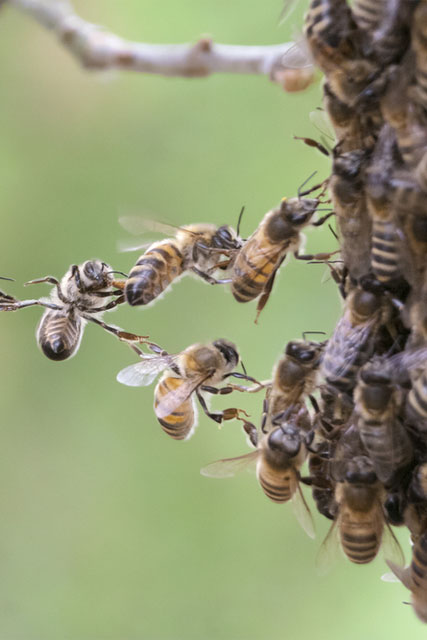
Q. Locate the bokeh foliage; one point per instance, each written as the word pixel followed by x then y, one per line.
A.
pixel 107 529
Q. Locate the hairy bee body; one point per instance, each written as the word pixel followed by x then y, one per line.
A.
pixel 419 45
pixel 282 454
pixel 416 402
pixel 180 423
pixel 378 403
pixel 419 577
pixel 322 486
pixel 195 247
pixel 352 342
pixel 360 517
pixel 277 235
pixel 59 334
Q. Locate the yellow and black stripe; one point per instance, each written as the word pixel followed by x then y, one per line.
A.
pixel 180 422
pixel 254 266
pixel 59 334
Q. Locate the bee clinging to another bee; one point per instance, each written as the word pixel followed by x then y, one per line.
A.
pixel 196 370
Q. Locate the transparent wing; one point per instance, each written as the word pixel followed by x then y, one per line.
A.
pixel 297 56
pixel 228 467
pixel 346 344
pixel 172 400
pixel 302 511
pixel 403 574
pixel 409 360
pixel 139 224
pixel 287 9
pixel 389 577
pixel 329 551
pixel 144 372
pixel 132 245
pixel 320 120
pixel 391 548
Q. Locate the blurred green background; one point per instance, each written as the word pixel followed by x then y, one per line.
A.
pixel 107 529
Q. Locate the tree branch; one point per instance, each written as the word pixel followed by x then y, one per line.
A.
pixel 95 48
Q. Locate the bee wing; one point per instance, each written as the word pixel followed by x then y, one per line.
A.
pixel 403 574
pixel 409 360
pixel 390 577
pixel 329 551
pixel 126 246
pixel 322 123
pixel 391 548
pixel 139 224
pixel 302 511
pixel 174 398
pixel 298 55
pixel 144 372
pixel 346 344
pixel 228 467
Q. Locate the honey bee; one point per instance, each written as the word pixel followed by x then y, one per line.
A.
pixel 359 521
pixel 294 378
pixel 378 402
pixel 199 368
pixel 414 577
pixel 74 301
pixel 385 254
pixel 337 47
pixel 419 31
pixel 278 234
pixel 352 342
pixel 196 248
pixel 416 403
pixel 279 457
pixel 347 186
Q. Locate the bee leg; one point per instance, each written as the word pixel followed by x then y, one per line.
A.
pixel 227 414
pixel 243 376
pixel 75 273
pixel 314 403
pixel 323 257
pixel 265 406
pixel 312 143
pixel 252 432
pixel 208 278
pixel 119 333
pixel 22 304
pixel 50 280
pixel 106 307
pixel 323 219
pixel 267 290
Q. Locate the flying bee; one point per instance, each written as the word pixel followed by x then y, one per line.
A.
pixel 74 301
pixel 199 368
pixel 278 234
pixel 378 402
pixel 352 342
pixel 196 248
pixel 279 457
pixel 360 521
pixel 414 577
pixel 294 378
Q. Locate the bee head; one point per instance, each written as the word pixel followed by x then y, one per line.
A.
pixel 225 238
pixel 229 352
pixel 286 439
pixel 304 352
pixel 94 273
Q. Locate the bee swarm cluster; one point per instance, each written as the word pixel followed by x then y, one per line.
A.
pixel 364 433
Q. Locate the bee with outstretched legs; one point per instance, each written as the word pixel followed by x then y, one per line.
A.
pixel 360 520
pixel 294 379
pixel 279 456
pixel 74 301
pixel 195 248
pixel 189 374
pixel 378 402
pixel 278 235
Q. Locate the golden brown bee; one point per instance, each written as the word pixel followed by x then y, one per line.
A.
pixel 360 521
pixel 352 342
pixel 278 234
pixel 419 39
pixel 196 248
pixel 378 402
pixel 74 301
pixel 199 368
pixel 294 378
pixel 414 577
pixel 279 457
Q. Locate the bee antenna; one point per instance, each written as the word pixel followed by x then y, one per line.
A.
pixel 119 272
pixel 240 219
pixel 4 278
pixel 333 232
pixel 243 367
pixel 304 183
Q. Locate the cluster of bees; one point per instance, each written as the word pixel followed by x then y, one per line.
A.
pixel 353 407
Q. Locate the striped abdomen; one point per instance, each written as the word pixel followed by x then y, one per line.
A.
pixel 179 423
pixel 277 484
pixel 419 577
pixel 153 273
pixel 360 539
pixel 419 44
pixel 59 334
pixel 385 253
pixel 327 25
pixel 388 446
pixel 322 487
pixel 416 404
pixel 254 266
